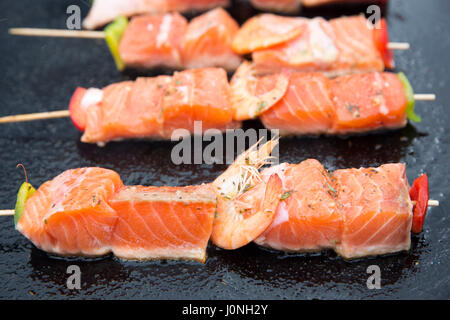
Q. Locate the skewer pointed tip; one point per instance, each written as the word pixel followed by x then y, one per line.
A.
pixel 398 46
pixel 433 203
pixel 424 97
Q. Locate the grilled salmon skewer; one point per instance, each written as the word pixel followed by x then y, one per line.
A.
pixel 287 6
pixel 105 11
pixel 282 6
pixel 342 45
pixel 314 104
pixel 292 207
pixel 89 212
pixel 357 212
pixel 338 46
pixel 170 41
pixel 295 104
pixel 163 40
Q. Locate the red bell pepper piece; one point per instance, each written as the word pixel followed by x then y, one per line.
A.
pixel 381 39
pixel 419 194
pixel 77 114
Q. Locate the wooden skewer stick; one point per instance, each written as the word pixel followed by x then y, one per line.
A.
pixel 35 116
pixel 65 113
pixel 61 33
pixel 431 203
pixel 424 97
pixel 7 212
pixel 398 45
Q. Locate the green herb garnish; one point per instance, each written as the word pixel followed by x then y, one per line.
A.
pixel 331 190
pixel 353 109
pixel 261 105
pixel 287 194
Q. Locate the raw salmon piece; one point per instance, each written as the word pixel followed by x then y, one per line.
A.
pixel 105 11
pixel 163 222
pixel 127 110
pixel 154 40
pixel 355 42
pixel 306 108
pixel 313 50
pixel 367 102
pixel 208 40
pixel 145 106
pixel 156 107
pixel 195 5
pixel 70 214
pixel 99 116
pixel 267 30
pixel 313 3
pixel 285 6
pixel 197 95
pixel 307 218
pixel 377 210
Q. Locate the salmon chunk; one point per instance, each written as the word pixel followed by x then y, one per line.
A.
pixel 376 209
pixel 379 102
pixel 356 212
pixel 163 222
pixel 285 6
pixel 70 215
pixel 154 41
pixel 208 41
pixel 197 95
pixel 307 217
pixel 156 107
pixel 306 108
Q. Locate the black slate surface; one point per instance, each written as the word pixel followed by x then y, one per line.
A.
pixel 40 74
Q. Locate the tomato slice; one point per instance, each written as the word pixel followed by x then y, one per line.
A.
pixel 419 194
pixel 381 39
pixel 77 114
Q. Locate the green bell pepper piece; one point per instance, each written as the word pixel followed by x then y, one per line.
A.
pixel 113 34
pixel 25 191
pixel 409 92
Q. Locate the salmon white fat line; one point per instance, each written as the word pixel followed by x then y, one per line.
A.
pixel 290 207
pixel 293 103
pixel 214 39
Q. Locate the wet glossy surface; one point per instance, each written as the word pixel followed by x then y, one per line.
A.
pixel 40 74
